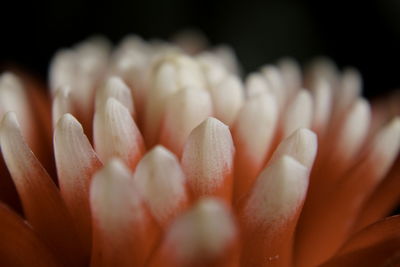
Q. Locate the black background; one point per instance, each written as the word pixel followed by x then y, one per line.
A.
pixel 364 34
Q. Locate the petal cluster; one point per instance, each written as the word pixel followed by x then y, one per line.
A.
pixel 165 157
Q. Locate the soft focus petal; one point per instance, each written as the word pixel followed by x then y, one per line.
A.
pixel 160 178
pixel 123 231
pixel 206 235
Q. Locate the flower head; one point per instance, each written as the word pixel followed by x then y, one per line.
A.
pixel 162 157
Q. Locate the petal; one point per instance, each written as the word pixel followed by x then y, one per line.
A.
pixel 61 104
pixel 76 163
pixel 62 69
pixel 206 235
pixel 161 180
pixel 171 74
pixel 382 254
pixel 116 134
pixel 227 97
pixel 39 195
pixel 19 244
pixel 347 93
pixel 269 214
pixel 337 209
pixel 378 232
pixel 115 87
pixel 163 86
pixel 253 134
pixel 301 145
pixel 322 99
pixel 347 140
pixel 207 160
pixel 256 84
pixel 384 200
pixel 184 111
pixel 291 75
pixel 14 97
pixel 123 232
pixel 276 85
pixel 8 192
pixel 298 114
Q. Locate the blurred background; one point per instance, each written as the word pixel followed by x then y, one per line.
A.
pixel 366 36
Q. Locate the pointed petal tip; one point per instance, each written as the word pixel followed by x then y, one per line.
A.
pixel 301 145
pixel 213 121
pixel 114 165
pixel 67 119
pixel 10 120
pixel 115 87
pixel 160 179
pixel 208 156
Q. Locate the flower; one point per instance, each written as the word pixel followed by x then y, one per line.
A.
pixel 191 166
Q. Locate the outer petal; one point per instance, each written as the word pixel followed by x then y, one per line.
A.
pixel 319 239
pixel 378 232
pixel 385 198
pixel 41 200
pixel 19 244
pixel 76 163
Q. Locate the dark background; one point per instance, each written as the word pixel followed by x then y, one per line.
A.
pixel 364 34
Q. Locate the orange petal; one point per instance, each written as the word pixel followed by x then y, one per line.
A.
pixel 76 163
pixel 8 192
pixel 385 253
pixel 39 195
pixel 385 199
pixel 123 231
pixel 207 160
pixel 204 236
pixel 317 240
pixel 380 231
pixel 19 244
pixel 269 214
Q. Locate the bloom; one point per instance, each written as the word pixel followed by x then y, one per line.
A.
pixel 190 166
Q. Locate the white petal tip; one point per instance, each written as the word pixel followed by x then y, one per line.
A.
pixel 301 145
pixel 207 229
pixel 10 120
